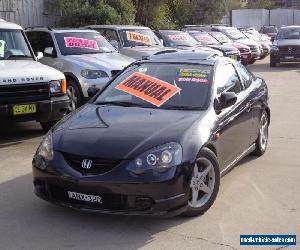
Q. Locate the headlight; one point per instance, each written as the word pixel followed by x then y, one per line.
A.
pixel 274 47
pixel 158 159
pixel 44 153
pixel 59 86
pixel 93 74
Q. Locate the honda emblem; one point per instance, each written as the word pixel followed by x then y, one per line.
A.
pixel 86 164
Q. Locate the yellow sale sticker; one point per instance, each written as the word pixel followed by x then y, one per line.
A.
pixel 138 37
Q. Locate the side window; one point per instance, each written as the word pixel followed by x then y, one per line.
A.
pixel 39 40
pixel 246 76
pixel 32 37
pixel 111 35
pixel 227 79
pixel 45 40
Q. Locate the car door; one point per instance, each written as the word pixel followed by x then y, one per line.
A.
pixel 40 40
pixel 234 124
pixel 255 94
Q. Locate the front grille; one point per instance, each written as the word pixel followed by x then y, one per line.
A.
pixel 114 72
pixel 99 165
pixel 20 93
pixel 289 50
pixel 115 202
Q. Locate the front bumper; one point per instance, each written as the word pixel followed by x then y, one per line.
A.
pixel 278 57
pixel 166 198
pixel 48 110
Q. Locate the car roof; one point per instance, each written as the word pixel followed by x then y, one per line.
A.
pixel 116 27
pixel 203 57
pixel 59 29
pixel 7 25
pixel 174 31
pixel 290 27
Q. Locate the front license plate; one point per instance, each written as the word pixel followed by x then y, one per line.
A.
pixel 24 109
pixel 235 57
pixel 289 57
pixel 85 197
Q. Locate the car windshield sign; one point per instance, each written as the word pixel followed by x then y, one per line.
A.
pixel 13 45
pixel 77 43
pixel 204 38
pixel 161 85
pixel 138 37
pixel 293 33
pixel 179 39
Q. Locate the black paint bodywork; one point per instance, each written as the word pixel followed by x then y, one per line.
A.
pixel 123 133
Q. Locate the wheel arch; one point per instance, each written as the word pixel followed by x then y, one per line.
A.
pixel 71 76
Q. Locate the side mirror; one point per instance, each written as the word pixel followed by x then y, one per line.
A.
pixel 115 44
pixel 92 91
pixel 224 101
pixel 49 51
pixel 39 55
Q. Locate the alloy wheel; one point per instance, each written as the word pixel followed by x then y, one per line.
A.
pixel 264 132
pixel 202 183
pixel 71 92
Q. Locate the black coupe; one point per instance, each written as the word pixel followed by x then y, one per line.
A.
pixel 157 138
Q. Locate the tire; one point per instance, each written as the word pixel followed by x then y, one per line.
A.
pixel 199 205
pixel 263 135
pixel 252 61
pixel 47 125
pixel 74 94
pixel 272 63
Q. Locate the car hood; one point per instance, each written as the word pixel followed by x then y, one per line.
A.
pixel 287 42
pixel 225 48
pixel 26 71
pixel 139 52
pixel 120 132
pixel 111 61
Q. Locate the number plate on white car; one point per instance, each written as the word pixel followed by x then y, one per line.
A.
pixel 85 197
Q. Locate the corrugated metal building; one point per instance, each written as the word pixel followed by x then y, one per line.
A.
pixel 27 13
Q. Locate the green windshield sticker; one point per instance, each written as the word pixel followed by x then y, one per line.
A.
pixel 193 75
pixel 2 47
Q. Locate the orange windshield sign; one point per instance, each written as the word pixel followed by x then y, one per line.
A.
pixel 139 38
pixel 148 88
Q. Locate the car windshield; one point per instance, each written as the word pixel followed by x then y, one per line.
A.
pixel 160 85
pixel 221 37
pixel 138 37
pixel 291 33
pixel 179 39
pixel 204 38
pixel 234 34
pixel 13 45
pixel 269 30
pixel 78 43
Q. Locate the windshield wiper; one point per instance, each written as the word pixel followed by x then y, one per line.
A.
pixel 120 103
pixel 182 108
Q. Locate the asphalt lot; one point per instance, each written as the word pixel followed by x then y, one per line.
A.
pixel 259 196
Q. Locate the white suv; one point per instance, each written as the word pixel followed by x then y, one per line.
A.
pixel 29 90
pixel 85 57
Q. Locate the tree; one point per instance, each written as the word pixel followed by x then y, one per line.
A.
pixel 206 12
pixel 260 4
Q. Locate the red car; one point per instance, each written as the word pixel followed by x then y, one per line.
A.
pixel 245 51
